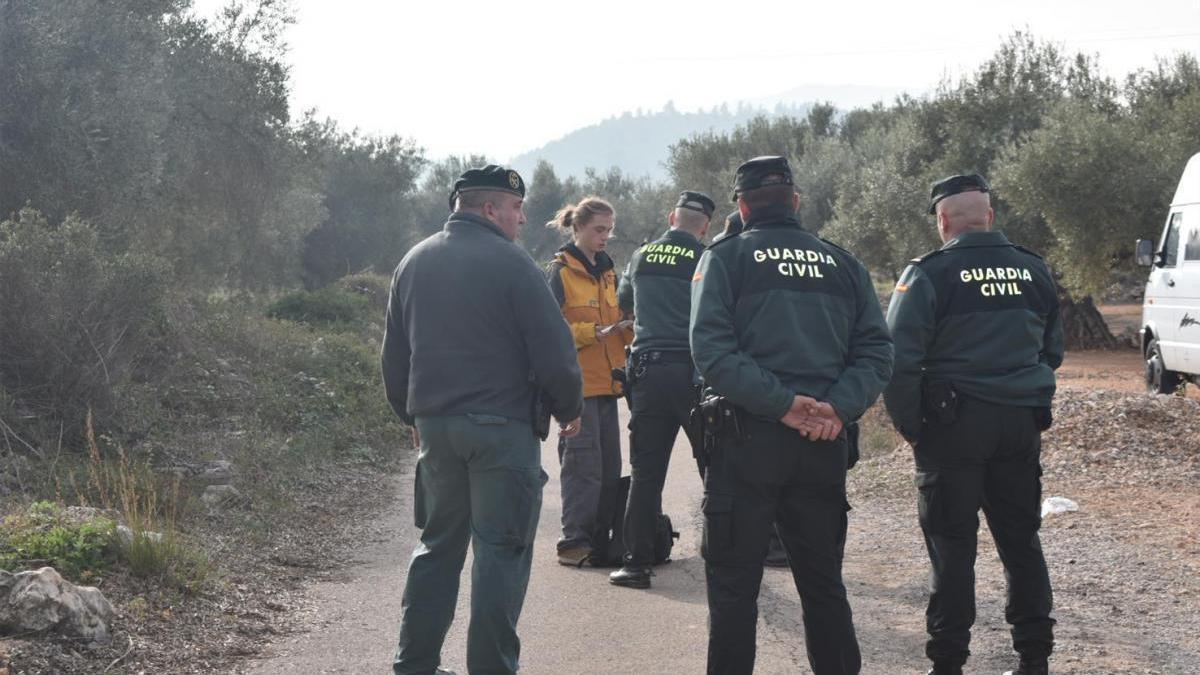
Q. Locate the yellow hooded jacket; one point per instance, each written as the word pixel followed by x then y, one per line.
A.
pixel 588 301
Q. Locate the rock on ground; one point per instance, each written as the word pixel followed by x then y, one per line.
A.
pixel 41 600
pixel 217 497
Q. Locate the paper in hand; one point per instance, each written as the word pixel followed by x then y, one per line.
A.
pixel 605 331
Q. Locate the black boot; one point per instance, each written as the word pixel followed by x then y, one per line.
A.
pixel 1031 667
pixel 631 577
pixel 943 668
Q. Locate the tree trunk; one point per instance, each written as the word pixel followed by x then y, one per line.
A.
pixel 1083 326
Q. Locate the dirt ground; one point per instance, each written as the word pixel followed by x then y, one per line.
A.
pixel 1124 566
pixel 1118 370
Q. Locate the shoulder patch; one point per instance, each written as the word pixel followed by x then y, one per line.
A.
pixel 836 246
pixel 1025 250
pixel 922 258
pixel 722 240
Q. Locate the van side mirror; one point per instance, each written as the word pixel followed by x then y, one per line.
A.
pixel 1144 253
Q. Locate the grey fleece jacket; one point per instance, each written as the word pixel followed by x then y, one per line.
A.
pixel 472 326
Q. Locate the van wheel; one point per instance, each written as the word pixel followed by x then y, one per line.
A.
pixel 1159 380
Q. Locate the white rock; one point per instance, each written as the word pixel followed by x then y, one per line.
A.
pixel 216 472
pixel 1055 505
pixel 41 600
pixel 217 496
pixel 125 534
pixel 84 514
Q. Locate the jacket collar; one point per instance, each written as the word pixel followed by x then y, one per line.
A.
pixel 681 237
pixel 571 256
pixel 462 220
pixel 773 216
pixel 973 239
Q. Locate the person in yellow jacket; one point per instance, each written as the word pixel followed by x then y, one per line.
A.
pixel 585 285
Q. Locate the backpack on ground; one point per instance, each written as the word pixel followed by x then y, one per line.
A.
pixel 608 544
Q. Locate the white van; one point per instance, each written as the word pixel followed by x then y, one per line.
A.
pixel 1171 309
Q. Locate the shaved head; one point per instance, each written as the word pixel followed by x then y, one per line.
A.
pixel 473 200
pixel 690 220
pixel 964 212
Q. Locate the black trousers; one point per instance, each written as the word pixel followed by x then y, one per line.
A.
pixel 989 458
pixel 773 475
pixel 661 402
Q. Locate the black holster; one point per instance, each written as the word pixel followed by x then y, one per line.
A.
pixel 539 413
pixel 852 448
pixel 714 418
pixel 699 432
pixel 541 416
pixel 1043 417
pixel 625 377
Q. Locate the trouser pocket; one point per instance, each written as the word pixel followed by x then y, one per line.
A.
pixel 420 511
pixel 506 504
pixel 844 527
pixel 717 539
pixel 940 401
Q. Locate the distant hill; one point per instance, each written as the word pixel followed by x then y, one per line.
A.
pixel 639 142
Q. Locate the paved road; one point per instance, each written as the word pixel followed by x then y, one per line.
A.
pixel 574 621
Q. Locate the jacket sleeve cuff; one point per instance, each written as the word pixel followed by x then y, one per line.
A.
pixel 780 404
pixel 910 429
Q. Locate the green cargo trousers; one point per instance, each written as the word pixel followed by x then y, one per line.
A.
pixel 479 480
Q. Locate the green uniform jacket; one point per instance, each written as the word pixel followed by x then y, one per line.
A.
pixel 657 288
pixel 778 312
pixel 980 313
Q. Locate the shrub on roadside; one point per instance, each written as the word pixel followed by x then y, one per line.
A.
pixel 77 322
pixel 44 535
pixel 330 305
pixel 149 544
pixel 374 287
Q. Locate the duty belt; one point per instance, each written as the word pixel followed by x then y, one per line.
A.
pixel 662 356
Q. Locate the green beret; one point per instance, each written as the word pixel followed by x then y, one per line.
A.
pixel 696 201
pixel 761 172
pixel 953 185
pixel 490 177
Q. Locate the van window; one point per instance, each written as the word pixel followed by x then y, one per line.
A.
pixel 1171 244
pixel 1191 245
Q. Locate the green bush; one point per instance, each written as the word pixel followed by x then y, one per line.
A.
pixel 329 305
pixel 43 535
pixel 375 287
pixel 77 323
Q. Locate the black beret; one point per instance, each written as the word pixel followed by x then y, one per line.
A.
pixel 733 224
pixel 696 201
pixel 761 172
pixel 953 185
pixel 733 227
pixel 490 177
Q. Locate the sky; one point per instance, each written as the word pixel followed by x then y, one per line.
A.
pixel 500 78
